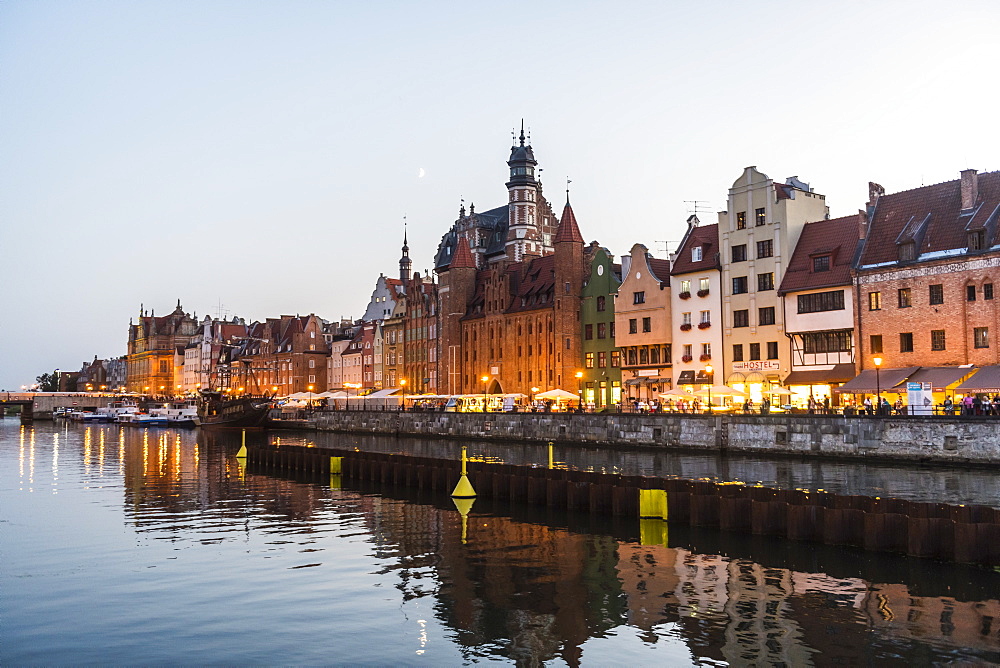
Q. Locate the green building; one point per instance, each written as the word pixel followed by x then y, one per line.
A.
pixel 602 378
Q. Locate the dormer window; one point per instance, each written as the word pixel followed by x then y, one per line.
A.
pixel 977 240
pixel 696 254
pixel 821 263
pixel 907 252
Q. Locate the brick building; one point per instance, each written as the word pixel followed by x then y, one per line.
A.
pixel 288 353
pixel 509 292
pixel 156 344
pixel 924 282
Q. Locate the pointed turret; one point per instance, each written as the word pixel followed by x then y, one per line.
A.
pixel 462 259
pixel 568 229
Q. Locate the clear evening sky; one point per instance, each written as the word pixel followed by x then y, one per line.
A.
pixel 262 155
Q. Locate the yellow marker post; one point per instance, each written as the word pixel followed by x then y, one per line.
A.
pixel 464 490
pixel 653 504
pixel 336 465
pixel 336 481
pixel 551 460
pixel 653 532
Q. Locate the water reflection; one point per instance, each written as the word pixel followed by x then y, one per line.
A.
pixel 521 584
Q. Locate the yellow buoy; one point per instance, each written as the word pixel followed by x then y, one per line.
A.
pixel 242 454
pixel 464 506
pixel 464 490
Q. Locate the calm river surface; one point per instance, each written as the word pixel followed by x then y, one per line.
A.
pixel 130 546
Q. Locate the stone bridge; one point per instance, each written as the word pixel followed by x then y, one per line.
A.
pixel 40 405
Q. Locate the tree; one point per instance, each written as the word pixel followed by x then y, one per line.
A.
pixel 48 382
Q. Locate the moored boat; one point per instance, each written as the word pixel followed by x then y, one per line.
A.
pixel 219 410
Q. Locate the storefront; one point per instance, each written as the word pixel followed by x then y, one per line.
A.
pixel 819 384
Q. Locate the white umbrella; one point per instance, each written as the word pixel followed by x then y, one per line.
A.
pixel 556 394
pixel 676 392
pixel 721 391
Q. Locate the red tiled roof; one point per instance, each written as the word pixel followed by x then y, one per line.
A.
pixel 568 229
pixel 938 209
pixel 660 268
pixel 705 236
pixel 462 259
pixel 839 238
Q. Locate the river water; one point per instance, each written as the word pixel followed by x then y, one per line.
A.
pixel 131 546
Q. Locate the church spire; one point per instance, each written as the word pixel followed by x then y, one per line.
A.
pixel 404 262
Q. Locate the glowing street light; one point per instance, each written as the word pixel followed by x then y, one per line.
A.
pixel 486 396
pixel 402 385
pixel 579 390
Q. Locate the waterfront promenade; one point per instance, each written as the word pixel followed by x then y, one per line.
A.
pixel 933 439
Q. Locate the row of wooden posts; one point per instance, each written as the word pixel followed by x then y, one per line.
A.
pixel 960 533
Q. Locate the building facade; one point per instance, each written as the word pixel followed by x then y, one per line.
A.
pixel 156 344
pixel 602 379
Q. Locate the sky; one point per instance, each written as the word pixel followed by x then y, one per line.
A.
pixel 258 158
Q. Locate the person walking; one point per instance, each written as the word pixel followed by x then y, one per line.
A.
pixel 868 405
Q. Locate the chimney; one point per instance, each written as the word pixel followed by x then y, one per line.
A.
pixel 970 188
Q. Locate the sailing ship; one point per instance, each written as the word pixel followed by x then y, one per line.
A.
pixel 225 405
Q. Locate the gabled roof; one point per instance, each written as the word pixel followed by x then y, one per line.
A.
pixel 931 217
pixel 568 229
pixel 659 268
pixel 838 238
pixel 707 238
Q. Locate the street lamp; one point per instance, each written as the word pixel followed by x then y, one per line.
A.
pixel 579 390
pixel 402 385
pixel 878 386
pixel 708 375
pixel 534 391
pixel 486 394
pixel 310 388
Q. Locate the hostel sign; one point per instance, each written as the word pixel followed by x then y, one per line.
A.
pixel 767 365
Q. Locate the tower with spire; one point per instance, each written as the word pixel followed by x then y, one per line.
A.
pixel 523 236
pixel 404 262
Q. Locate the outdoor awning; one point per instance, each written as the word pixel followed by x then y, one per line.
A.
pixel 686 377
pixel 985 379
pixel 645 380
pixel 378 394
pixel 735 377
pixel 866 382
pixel 940 377
pixel 840 373
pixel 755 377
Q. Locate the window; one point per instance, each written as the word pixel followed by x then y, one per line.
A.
pixel 875 343
pixel 654 355
pixel 754 351
pixel 822 301
pixel 937 293
pixel 686 318
pixel 765 248
pixel 703 284
pixel 647 325
pixel 906 342
pixel 740 253
pixel 987 291
pixel 611 329
pixel 686 286
pixel 821 263
pixel 312 379
pixel 696 254
pixel 937 339
pixel 904 298
pixel 643 356
pixel 772 350
pixel 765 282
pixel 687 350
pixel 765 315
pixel 977 240
pixel 706 350
pixel 874 301
pixel 588 360
pixel 706 316
pixel 970 293
pixel 981 337
pixel 602 330
pixel 759 218
pixel 601 303
pixel 588 332
pixel 739 285
pixel 616 359
pixel 741 318
pixel 907 252
pixel 737 352
pixel 638 297
pixel 633 326
pixel 602 359
pixel 826 342
pixel 741 220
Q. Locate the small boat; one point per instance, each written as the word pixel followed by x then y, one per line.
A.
pixel 219 410
pixel 116 409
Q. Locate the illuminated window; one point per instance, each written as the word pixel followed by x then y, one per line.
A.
pixel 588 360
pixel 758 215
pixel 874 301
pixel 741 220
pixel 904 298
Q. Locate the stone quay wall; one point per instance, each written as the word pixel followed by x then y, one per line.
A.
pixel 959 439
